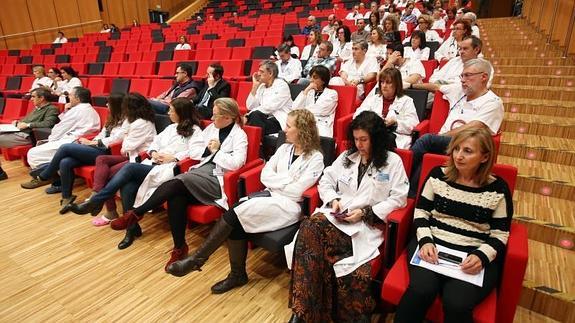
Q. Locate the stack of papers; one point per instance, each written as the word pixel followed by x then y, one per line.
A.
pixel 8 128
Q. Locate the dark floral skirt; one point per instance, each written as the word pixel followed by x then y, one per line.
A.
pixel 316 294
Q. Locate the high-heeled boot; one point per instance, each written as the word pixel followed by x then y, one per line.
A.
pixel 91 207
pixel 237 251
pixel 217 236
pixel 132 232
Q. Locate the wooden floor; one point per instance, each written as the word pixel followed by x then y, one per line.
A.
pixel 61 268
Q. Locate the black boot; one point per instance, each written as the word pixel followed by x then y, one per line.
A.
pixel 90 206
pixel 218 235
pixel 238 251
pixel 133 232
pixel 295 319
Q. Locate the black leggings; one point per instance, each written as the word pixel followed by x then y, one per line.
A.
pixel 178 197
pixel 458 297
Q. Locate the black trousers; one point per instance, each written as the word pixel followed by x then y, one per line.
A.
pixel 268 124
pixel 458 297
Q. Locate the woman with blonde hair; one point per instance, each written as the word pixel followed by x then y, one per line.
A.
pixel 464 207
pixel 226 146
pixel 294 168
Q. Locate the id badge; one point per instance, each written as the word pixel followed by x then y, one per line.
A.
pixel 345 179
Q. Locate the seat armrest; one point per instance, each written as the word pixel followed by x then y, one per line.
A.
pixel 311 200
pixel 249 181
pixel 513 273
pixel 115 148
pixel 231 180
pixel 341 125
pixel 398 227
pixel 184 165
pixel 421 129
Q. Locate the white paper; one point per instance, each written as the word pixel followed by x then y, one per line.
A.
pixel 348 228
pixel 448 269
pixel 8 128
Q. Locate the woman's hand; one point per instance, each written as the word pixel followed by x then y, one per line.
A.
pixel 335 206
pixel 471 265
pixel 428 253
pixel 164 158
pixel 353 216
pixel 214 146
pixel 86 142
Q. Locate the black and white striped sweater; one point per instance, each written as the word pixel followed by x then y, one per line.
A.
pixel 474 220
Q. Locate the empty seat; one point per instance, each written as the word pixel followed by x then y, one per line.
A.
pixel 95 68
pixel 141 86
pixel 158 86
pixel 263 52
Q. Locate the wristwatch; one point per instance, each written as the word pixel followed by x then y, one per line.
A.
pixel 361 80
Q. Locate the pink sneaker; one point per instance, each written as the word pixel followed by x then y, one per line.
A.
pixel 100 221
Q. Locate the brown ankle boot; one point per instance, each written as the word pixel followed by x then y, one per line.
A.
pixel 238 251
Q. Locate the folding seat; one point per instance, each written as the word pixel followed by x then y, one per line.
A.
pixel 237 42
pixel 244 89
pixel 135 57
pixel 164 55
pixel 95 68
pixel 110 69
pixel 132 48
pixel 119 85
pixel 158 86
pixel 254 42
pixel 143 69
pixel 81 50
pixel 202 44
pixel 272 41
pixel 420 101
pixel 91 58
pixel 29 59
pixel 103 56
pixel 157 47
pixel 233 68
pixel 93 50
pixel 144 47
pixel 12 83
pixel 7 69
pixel 241 53
pixel 3 80
pixel 184 55
pixel 221 53
pixel 80 67
pixel 166 69
pixel 126 69
pixel 149 56
pixel 204 54
pixel 14 109
pixel 500 305
pixel 98 85
pixel 141 86
pixel 345 108
pixel 22 69
pixel 118 57
pixel 63 58
pixel 203 67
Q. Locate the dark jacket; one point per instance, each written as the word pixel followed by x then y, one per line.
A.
pixel 44 117
pixel 221 90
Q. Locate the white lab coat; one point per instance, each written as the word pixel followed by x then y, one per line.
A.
pixel 307 54
pixel 231 156
pixel 344 53
pixel 384 189
pixel 44 81
pixel 323 109
pixel 67 86
pixel 138 136
pixel 291 71
pixel 169 142
pixel 286 184
pixel 274 100
pixel 402 110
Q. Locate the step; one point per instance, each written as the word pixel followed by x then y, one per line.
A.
pixel 523 315
pixel 548 219
pixel 540 107
pixel 534 124
pixel 529 70
pixel 545 60
pixel 535 92
pixel 504 53
pixel 535 147
pixel 543 178
pixel 567 81
pixel 548 287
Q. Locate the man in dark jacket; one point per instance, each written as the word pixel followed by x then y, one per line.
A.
pixel 210 89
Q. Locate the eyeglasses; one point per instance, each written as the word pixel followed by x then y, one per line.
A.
pixel 180 72
pixel 468 75
pixel 218 115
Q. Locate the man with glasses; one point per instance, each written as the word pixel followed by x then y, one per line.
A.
pixel 44 115
pixel 183 88
pixel 311 25
pixel 450 47
pixel 323 58
pixel 471 104
pixel 212 88
pixel 289 68
pixel 360 34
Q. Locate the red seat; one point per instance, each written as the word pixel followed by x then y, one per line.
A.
pixel 183 55
pixel 7 69
pixel 244 89
pixel 111 69
pixel 429 68
pixel 233 68
pixel 143 69
pixel 209 213
pixel 14 109
pixel 126 69
pixel 241 53
pixel 501 304
pixel 345 108
pixel 204 44
pixel 141 86
pixel 165 69
pixel 118 57
pixel 222 53
pixel 204 54
pixel 158 86
pixel 99 85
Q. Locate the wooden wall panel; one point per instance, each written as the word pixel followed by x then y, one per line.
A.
pixel 2 40
pixel 15 19
pixel 43 16
pixel 89 12
pixel 143 12
pixel 130 11
pixel 115 12
pixel 68 14
pixel 562 21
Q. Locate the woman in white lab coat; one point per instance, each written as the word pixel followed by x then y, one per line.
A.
pixel 69 81
pixel 225 146
pixel 294 167
pixel 330 264
pixel 319 99
pixel 399 110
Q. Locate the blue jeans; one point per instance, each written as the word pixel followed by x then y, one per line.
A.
pixel 159 107
pixel 128 180
pixel 435 144
pixel 68 157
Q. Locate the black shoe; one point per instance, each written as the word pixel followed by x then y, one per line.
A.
pixel 295 319
pixel 67 204
pixel 87 207
pixel 131 234
pixel 231 282
pixel 3 176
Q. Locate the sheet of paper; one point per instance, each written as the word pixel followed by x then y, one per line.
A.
pixel 348 228
pixel 6 127
pixel 448 269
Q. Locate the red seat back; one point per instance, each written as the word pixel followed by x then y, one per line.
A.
pixel 160 85
pixel 126 68
pixel 346 96
pixel 141 86
pixel 103 113
pixel 14 109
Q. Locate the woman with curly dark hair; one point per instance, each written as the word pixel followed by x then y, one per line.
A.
pixel 294 168
pixel 332 251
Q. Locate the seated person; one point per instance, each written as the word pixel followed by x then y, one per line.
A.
pixel 377 46
pixel 408 15
pixel 331 270
pixel 319 99
pixel 137 181
pixel 360 34
pixel 418 49
pixel 472 105
pixel 354 15
pixel 40 80
pixel 183 44
pixel 438 21
pixel 84 152
pixel 412 70
pixel 224 149
pixel 269 101
pixel 396 109
pixel 391 32
pixel 183 88
pixel 471 18
pixel 424 25
pixel 342 44
pixel 44 115
pixel 69 81
pixel 294 50
pixel 294 168
pixel 60 39
pixel 463 207
pixel 450 48
pixel 212 88
pixel 323 58
pixel 289 68
pixel 330 28
pixel 55 78
pixel 358 70
pixel 312 48
pixel 78 119
pixel 311 24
